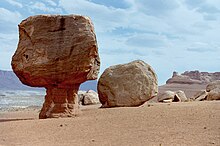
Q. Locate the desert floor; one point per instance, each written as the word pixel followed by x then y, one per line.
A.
pixel 156 124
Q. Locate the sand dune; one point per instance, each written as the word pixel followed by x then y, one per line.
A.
pixel 192 123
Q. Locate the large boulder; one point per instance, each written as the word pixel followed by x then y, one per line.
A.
pixel 58 52
pixel 130 84
pixel 213 90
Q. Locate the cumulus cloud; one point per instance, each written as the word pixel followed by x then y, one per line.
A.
pixel 105 18
pixel 51 2
pixel 42 7
pixel 200 47
pixel 15 3
pixel 156 7
pixel 9 16
pixel 210 9
pixel 8 45
pixel 147 41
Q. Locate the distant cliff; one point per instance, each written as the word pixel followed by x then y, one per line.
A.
pixel 193 77
pixel 9 81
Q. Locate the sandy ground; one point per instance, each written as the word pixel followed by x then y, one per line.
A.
pixel 156 124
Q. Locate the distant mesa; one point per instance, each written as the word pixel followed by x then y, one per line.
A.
pixel 193 77
pixel 9 81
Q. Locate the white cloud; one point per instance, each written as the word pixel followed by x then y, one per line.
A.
pixel 156 7
pixel 147 41
pixel 105 18
pixel 8 46
pixel 15 3
pixel 41 6
pixel 9 16
pixel 201 47
pixel 51 2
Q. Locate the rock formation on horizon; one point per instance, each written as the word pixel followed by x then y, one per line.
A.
pixel 193 77
pixel 130 84
pixel 58 52
pixel 9 81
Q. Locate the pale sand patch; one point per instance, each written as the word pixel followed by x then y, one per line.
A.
pixel 192 123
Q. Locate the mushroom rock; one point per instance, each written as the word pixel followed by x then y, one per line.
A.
pixel 58 52
pixel 130 84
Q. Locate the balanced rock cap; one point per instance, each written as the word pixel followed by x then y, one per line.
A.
pixel 56 50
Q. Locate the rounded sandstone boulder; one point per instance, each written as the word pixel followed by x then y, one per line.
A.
pixel 130 84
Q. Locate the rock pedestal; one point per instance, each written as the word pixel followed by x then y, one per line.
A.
pixel 58 52
pixel 60 102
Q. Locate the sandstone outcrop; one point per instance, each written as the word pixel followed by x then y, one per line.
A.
pixel 167 95
pixel 213 90
pixel 58 52
pixel 129 84
pixel 89 97
pixel 200 95
pixel 193 77
pixel 171 96
pixel 181 96
pixel 213 85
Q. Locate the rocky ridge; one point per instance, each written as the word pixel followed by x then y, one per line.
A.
pixel 193 77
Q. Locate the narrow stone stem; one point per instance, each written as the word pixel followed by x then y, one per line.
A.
pixel 60 102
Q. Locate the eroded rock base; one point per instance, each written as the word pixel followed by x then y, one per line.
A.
pixel 60 102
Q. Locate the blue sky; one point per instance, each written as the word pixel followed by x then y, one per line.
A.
pixel 170 35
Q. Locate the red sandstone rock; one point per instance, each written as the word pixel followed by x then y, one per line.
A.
pixel 58 53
